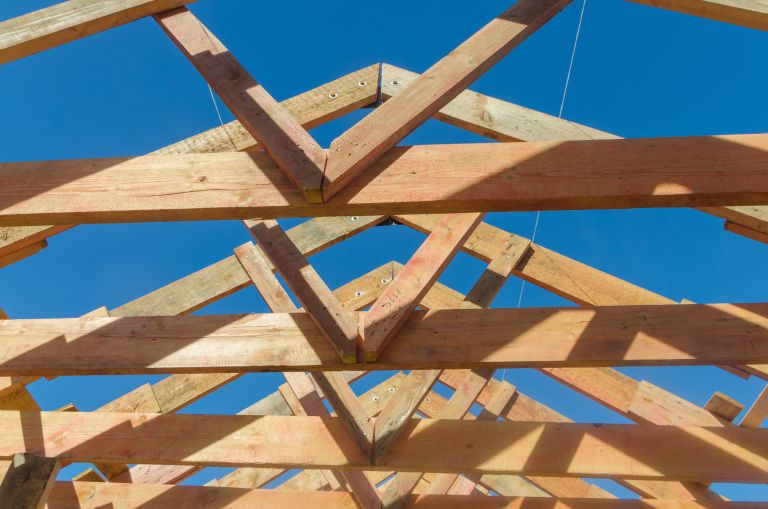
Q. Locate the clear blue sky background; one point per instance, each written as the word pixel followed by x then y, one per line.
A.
pixel 639 72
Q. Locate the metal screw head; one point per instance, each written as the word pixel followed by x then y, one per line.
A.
pixel 391 389
pixel 375 398
pixel 355 218
pixel 384 281
pixel 363 83
pixel 358 293
pixel 395 82
pixel 426 399
pixel 333 95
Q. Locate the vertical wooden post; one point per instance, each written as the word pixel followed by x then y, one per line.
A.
pixel 28 482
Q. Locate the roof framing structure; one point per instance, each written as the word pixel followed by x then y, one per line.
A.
pixel 403 442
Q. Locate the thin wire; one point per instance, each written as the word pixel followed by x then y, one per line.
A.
pixel 559 115
pixel 218 114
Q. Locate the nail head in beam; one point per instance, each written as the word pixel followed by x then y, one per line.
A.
pixel 400 298
pixel 390 422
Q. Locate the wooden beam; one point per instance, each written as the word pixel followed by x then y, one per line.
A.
pixel 311 108
pixel 553 337
pixel 399 300
pixel 757 412
pixel 746 232
pixel 66 495
pixel 393 418
pixel 746 13
pixel 505 121
pixel 348 408
pixel 355 150
pixel 22 253
pixel 227 276
pixel 662 172
pixel 335 322
pixel 284 139
pixel 723 406
pixel 753 217
pixel 69 21
pixel 725 454
pixel 28 481
pixel 360 485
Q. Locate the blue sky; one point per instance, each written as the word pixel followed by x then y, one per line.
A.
pixel 639 72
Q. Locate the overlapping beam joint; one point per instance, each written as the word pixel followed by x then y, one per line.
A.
pixel 451 341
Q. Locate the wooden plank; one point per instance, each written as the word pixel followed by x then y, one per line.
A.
pixel 284 139
pixel 83 495
pixel 312 108
pixel 399 300
pixel 557 337
pixel 258 267
pixel 335 322
pixel 757 412
pixel 725 454
pixel 347 406
pixel 491 117
pixel 22 253
pixel 496 274
pixel 390 422
pixel 505 121
pixel 28 481
pixel 746 13
pixel 391 122
pixel 661 172
pixel 68 21
pixel 723 406
pixel 746 232
pixel 754 217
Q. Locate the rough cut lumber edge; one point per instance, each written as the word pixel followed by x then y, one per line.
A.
pixel 724 454
pixel 311 108
pixel 22 253
pixel 280 134
pixel 391 122
pixel 335 322
pixel 746 13
pixel 392 309
pixel 28 481
pixel 757 412
pixel 746 232
pixel 505 121
pixel 723 406
pixel 72 495
pixel 68 21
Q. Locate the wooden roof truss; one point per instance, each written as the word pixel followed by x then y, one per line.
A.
pixel 403 442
